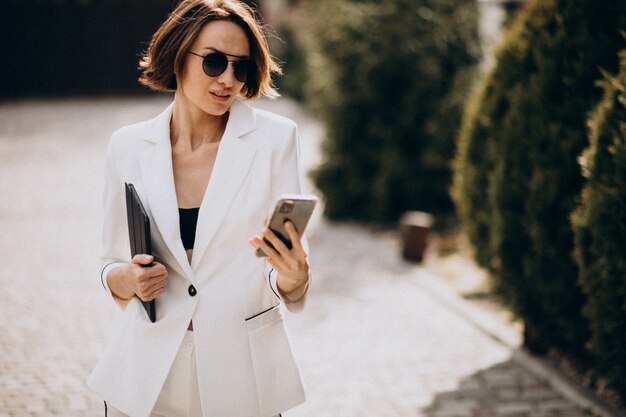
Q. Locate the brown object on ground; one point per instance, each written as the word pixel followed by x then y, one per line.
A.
pixel 415 228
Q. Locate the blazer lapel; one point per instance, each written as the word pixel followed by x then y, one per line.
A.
pixel 158 180
pixel 232 165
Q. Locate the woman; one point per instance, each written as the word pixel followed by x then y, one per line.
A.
pixel 208 170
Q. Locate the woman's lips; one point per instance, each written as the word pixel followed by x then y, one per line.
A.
pixel 220 97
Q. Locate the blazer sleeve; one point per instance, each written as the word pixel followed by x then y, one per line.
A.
pixel 115 244
pixel 287 180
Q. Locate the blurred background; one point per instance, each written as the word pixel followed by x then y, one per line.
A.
pixel 479 141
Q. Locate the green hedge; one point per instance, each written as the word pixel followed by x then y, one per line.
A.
pixel 600 225
pixel 516 174
pixel 389 78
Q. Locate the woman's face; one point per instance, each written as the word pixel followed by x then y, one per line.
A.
pixel 213 95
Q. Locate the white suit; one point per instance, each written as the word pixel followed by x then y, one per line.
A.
pixel 245 366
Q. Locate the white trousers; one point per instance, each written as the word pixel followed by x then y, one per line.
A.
pixel 180 396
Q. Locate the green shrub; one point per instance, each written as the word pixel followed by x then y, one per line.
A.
pixel 516 173
pixel 600 226
pixel 388 78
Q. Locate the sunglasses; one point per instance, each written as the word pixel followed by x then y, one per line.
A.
pixel 215 63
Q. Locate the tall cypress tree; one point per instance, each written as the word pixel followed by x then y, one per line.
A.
pixel 517 177
pixel 600 225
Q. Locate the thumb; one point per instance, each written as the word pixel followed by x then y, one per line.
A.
pixel 142 259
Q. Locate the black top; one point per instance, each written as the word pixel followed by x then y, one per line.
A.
pixel 188 219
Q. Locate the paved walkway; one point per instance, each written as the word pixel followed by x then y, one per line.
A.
pixel 378 338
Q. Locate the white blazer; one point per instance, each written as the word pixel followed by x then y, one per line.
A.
pixel 244 360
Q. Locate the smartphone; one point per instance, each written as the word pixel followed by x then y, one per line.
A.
pixel 297 208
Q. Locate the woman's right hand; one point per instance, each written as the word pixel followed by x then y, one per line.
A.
pixel 146 282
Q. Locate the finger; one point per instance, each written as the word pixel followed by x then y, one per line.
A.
pixel 143 259
pixel 150 287
pixel 158 281
pixel 296 242
pixel 145 275
pixel 152 295
pixel 256 241
pixel 278 263
pixel 156 270
pixel 162 282
pixel 278 244
pixel 273 258
pixel 260 243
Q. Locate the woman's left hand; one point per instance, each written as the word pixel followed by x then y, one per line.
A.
pixel 291 264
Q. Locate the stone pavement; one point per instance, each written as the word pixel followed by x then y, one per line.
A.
pixel 378 338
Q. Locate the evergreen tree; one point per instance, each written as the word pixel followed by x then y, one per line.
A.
pixel 600 225
pixel 389 78
pixel 517 177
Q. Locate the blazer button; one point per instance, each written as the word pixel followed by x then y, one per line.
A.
pixel 192 290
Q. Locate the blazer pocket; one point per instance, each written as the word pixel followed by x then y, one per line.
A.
pixel 278 382
pixel 263 317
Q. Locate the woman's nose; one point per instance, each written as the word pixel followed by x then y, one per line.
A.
pixel 227 78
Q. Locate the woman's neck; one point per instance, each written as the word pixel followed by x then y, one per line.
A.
pixel 194 127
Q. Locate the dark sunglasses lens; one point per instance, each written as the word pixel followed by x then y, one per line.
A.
pixel 244 69
pixel 214 64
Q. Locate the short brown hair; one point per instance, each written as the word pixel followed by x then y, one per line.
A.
pixel 164 58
